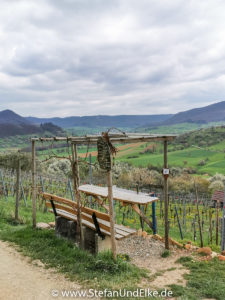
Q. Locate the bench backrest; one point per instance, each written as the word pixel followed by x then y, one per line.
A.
pixel 61 204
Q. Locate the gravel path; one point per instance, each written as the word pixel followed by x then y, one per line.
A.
pixel 146 253
pixel 22 280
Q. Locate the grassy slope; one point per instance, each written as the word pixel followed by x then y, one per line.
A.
pixel 215 161
pixel 206 280
pixel 178 128
pixel 211 142
pixel 209 146
pixel 92 271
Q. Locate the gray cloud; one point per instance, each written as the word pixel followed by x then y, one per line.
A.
pixel 82 57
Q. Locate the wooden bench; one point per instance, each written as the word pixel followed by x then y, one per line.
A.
pixel 99 222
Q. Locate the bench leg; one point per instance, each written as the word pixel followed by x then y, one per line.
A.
pixel 65 228
pixel 102 245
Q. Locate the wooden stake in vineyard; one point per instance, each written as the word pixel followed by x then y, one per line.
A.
pixel 18 172
pixel 210 226
pixel 34 191
pixel 199 218
pixel 223 226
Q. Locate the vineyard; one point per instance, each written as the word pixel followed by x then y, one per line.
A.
pixel 184 222
pixel 183 208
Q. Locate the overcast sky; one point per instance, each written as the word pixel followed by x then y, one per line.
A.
pixel 88 57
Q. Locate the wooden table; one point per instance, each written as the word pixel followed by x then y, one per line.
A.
pixel 126 197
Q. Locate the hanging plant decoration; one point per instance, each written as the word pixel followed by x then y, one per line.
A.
pixel 105 152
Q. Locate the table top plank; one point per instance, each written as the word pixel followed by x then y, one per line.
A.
pixel 122 195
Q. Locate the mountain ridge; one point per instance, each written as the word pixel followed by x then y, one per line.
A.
pixel 211 113
pixel 131 121
pixel 10 117
pixel 12 124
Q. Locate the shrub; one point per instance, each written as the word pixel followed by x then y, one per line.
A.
pixel 165 253
pixel 202 162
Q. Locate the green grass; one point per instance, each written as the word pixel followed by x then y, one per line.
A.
pixel 178 128
pixel 188 150
pixel 165 253
pixel 210 141
pixel 206 280
pixel 189 157
pixel 99 271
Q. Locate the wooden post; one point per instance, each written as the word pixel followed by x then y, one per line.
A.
pixel 22 190
pixel 142 215
pixel 217 221
pixel 223 226
pixel 194 228
pixel 17 190
pixel 3 185
pixel 90 177
pixel 166 199
pixel 178 221
pixel 111 213
pixel 199 218
pixel 210 226
pixel 33 184
pixel 154 218
pixel 76 184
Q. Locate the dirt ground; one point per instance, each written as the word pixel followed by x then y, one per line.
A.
pixel 129 147
pixel 22 280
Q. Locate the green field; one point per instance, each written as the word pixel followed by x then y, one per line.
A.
pixel 178 128
pixel 191 157
pixel 201 150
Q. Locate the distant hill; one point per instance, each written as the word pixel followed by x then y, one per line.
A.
pixel 131 121
pixel 9 117
pixel 23 129
pixel 12 124
pixel 211 113
pixel 205 137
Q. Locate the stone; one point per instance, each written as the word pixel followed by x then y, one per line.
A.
pixel 144 234
pixel 51 224
pixel 221 257
pixel 214 254
pixel 148 237
pixel 139 232
pixel 187 247
pixel 102 245
pixel 157 237
pixel 204 258
pixel 205 250
pixel 223 252
pixel 42 225
pixel 189 242
pixel 61 226
pixel 175 243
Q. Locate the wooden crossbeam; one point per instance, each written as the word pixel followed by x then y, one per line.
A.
pixel 142 215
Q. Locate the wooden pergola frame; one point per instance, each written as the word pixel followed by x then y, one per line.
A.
pixel 92 140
